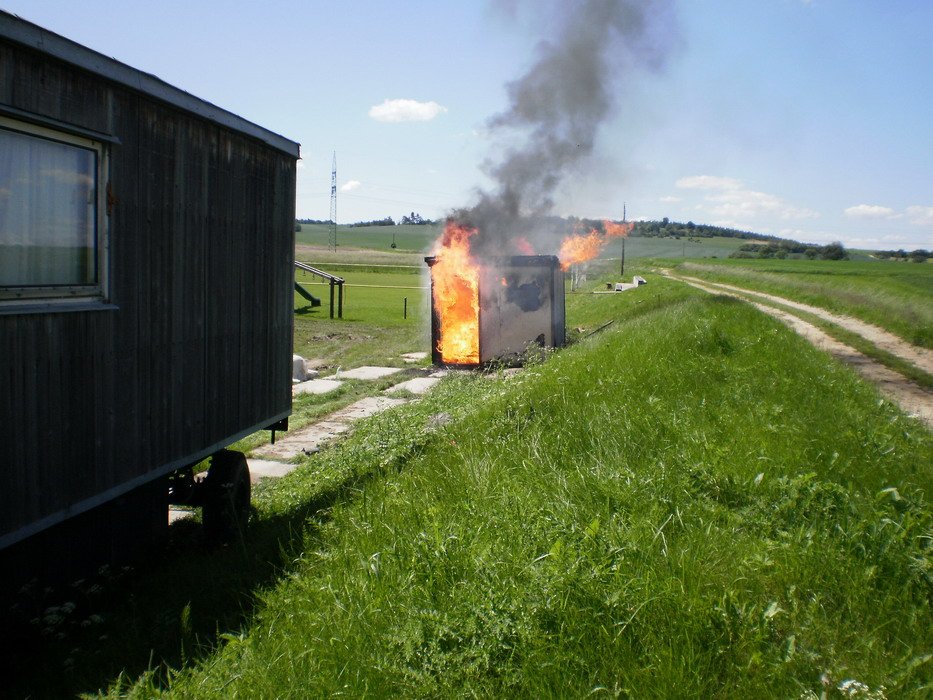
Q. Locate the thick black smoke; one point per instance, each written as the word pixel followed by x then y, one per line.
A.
pixel 556 110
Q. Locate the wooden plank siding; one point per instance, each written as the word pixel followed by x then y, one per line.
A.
pixel 195 345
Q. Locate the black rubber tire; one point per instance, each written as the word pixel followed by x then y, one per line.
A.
pixel 227 497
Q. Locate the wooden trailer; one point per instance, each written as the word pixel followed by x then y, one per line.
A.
pixel 146 290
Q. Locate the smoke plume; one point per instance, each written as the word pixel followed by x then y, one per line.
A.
pixel 555 111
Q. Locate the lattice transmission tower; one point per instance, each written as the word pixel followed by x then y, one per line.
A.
pixel 333 204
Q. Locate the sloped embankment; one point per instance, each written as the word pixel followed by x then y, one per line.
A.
pixel 913 398
pixel 696 503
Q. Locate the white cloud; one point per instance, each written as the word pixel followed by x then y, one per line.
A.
pixel 817 236
pixel 869 211
pixel 350 185
pixel 669 199
pixel 730 201
pixel 869 242
pixel 708 182
pixel 405 111
pixel 794 233
pixel 920 216
pixel 748 204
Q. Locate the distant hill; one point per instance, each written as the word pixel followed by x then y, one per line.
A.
pixel 670 239
pixel 675 229
pixel 764 246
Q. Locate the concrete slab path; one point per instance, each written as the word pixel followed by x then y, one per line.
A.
pixel 271 461
pixel 175 514
pixel 268 469
pixel 364 408
pixel 414 356
pixel 309 439
pixel 366 373
pixel 316 386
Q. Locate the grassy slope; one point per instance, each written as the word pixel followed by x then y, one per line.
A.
pixel 648 247
pixel 896 296
pixel 661 509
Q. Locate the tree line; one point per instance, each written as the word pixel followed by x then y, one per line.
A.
pixel 412 219
pixel 920 255
pixel 832 251
pixel 766 246
pixel 786 248
pixel 673 229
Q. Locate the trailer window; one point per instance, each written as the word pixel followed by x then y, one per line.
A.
pixel 50 214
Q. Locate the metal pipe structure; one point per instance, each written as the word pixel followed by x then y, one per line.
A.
pixel 333 279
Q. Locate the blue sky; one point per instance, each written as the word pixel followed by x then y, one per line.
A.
pixel 809 120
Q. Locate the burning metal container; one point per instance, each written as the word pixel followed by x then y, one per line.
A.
pixel 494 309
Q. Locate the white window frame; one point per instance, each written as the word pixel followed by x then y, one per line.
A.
pixel 65 295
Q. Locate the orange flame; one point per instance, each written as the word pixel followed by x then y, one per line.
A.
pixel 614 230
pixel 578 248
pixel 455 289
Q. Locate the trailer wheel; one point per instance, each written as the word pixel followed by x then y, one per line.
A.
pixel 226 497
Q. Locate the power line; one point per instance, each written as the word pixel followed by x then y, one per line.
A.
pixel 333 203
pixel 419 203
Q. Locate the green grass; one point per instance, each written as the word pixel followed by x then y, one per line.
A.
pixel 374 328
pixel 587 311
pixel 419 239
pixel 895 296
pixel 866 347
pixel 672 248
pixel 407 238
pixel 660 510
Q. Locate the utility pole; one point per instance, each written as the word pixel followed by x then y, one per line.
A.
pixel 622 270
pixel 333 205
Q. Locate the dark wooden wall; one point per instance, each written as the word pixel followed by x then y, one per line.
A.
pixel 198 349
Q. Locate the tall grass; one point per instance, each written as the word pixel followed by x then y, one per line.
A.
pixel 895 296
pixel 694 503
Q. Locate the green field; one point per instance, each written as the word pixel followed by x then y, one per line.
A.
pixel 419 239
pixel 407 238
pixel 378 326
pixel 672 248
pixel 368 296
pixel 897 296
pixel 660 509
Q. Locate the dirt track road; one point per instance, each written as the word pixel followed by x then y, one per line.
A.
pixel 912 398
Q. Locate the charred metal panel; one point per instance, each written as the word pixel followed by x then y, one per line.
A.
pixel 518 306
pixel 521 304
